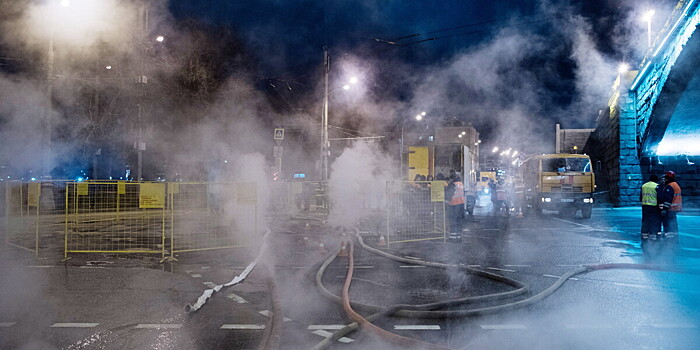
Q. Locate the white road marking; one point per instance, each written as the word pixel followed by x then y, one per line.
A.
pixel 587 326
pixel 243 326
pixel 268 313
pixel 674 325
pixel 417 327
pixel 632 285
pixel 74 325
pixel 579 265
pixel 92 267
pixel 206 267
pixel 237 298
pixel 497 269
pixel 209 284
pixel 196 275
pixel 411 257
pixel 159 325
pixel 327 334
pixel 41 266
pixel 369 281
pixel 473 266
pixel 590 228
pixel 502 326
pixel 557 277
pixel 364 267
pixel 333 327
pixel 411 266
pixel 7 324
pixel 517 265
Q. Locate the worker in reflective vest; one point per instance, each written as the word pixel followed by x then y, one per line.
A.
pixel 651 214
pixel 670 203
pixel 456 207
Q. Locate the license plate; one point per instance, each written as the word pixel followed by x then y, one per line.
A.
pixel 567 200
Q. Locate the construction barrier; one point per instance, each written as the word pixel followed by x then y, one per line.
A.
pixel 33 213
pixel 415 211
pixel 206 216
pixel 157 217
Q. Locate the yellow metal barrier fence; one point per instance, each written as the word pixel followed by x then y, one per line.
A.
pixel 415 211
pixel 33 213
pixel 207 216
pixel 157 217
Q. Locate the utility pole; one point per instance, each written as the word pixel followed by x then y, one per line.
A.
pixel 48 114
pixel 142 80
pixel 325 146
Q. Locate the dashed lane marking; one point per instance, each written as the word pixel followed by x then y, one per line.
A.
pixel 557 277
pixel 517 265
pixel 632 285
pixel 205 267
pixel 268 313
pixel 41 266
pixel 502 326
pixel 364 267
pixel 587 326
pixel 327 334
pixel 498 269
pixel 74 325
pixel 591 228
pixel 333 327
pixel 196 275
pixel 209 284
pixel 243 326
pixel 411 266
pixel 237 298
pixel 674 325
pixel 417 327
pixel 7 324
pixel 159 325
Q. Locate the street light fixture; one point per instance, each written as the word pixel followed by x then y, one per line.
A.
pixel 160 38
pixel 623 68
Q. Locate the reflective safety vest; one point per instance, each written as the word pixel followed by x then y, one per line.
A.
pixel 649 193
pixel 677 203
pixel 458 195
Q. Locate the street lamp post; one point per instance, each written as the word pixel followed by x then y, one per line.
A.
pixel 324 117
pixel 647 18
pixel 418 117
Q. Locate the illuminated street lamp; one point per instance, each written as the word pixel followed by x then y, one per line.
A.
pixel 418 117
pixel 160 38
pixel 495 149
pixel 647 18
pixel 623 68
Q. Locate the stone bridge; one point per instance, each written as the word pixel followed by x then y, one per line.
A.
pixel 652 121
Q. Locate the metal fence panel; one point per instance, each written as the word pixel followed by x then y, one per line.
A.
pixel 415 211
pixel 307 197
pixel 207 216
pixel 115 217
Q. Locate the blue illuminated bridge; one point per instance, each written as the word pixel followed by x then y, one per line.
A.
pixel 652 123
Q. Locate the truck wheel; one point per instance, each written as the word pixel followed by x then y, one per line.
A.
pixel 586 212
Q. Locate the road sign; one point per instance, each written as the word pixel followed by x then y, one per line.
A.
pixel 279 134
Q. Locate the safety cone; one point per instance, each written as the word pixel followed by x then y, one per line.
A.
pixel 343 249
pixel 382 241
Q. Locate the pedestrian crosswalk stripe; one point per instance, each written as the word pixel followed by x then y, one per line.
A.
pixel 502 326
pixel 159 325
pixel 74 325
pixel 237 298
pixel 326 326
pixel 327 334
pixel 417 327
pixel 243 326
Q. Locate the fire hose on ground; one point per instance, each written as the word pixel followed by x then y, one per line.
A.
pixel 430 310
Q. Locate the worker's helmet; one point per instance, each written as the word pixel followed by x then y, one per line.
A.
pixel 670 174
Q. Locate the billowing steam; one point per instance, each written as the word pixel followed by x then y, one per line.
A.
pixel 358 181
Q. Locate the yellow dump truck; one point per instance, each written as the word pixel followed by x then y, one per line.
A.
pixel 557 182
pixel 483 180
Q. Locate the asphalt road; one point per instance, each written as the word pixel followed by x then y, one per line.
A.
pixel 110 302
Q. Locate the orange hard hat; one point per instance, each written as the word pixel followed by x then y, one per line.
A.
pixel 671 174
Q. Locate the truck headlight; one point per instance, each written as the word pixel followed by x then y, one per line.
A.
pixel 588 200
pixel 546 199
